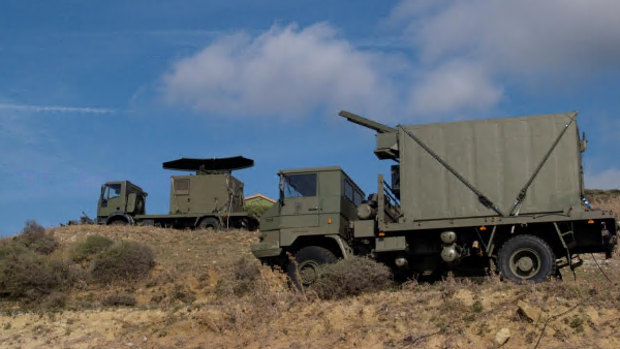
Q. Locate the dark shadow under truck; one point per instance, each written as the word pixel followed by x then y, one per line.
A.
pixel 503 194
pixel 211 199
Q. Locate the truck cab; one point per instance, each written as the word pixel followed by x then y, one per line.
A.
pixel 119 202
pixel 313 215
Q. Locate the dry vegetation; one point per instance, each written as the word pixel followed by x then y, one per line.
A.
pixel 205 290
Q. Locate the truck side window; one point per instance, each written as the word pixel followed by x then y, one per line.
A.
pixel 348 190
pixel 113 191
pixel 300 185
pixel 352 193
pixel 358 197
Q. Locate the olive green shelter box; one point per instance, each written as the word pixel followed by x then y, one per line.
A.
pixel 498 157
pixel 205 194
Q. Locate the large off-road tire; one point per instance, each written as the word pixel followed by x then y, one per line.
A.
pixel 309 261
pixel 209 223
pixel 119 222
pixel 526 258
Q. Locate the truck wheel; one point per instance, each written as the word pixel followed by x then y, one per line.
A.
pixel 209 223
pixel 309 260
pixel 119 222
pixel 526 258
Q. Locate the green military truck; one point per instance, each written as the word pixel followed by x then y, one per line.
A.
pixel 210 199
pixel 502 194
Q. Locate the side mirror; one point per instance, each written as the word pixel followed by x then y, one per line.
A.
pixel 583 143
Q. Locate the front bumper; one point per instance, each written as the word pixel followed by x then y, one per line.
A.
pixel 266 250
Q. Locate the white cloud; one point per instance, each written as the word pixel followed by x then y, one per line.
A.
pixel 519 35
pixel 53 109
pixel 529 42
pixel 463 55
pixel 285 71
pixel 453 86
pixel 609 179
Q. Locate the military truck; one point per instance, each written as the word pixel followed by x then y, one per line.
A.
pixel 472 197
pixel 211 199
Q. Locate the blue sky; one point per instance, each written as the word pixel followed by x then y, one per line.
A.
pixel 92 92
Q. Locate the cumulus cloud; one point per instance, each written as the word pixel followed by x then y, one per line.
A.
pixel 461 56
pixel 285 71
pixel 609 179
pixel 524 35
pixel 527 41
pixel 452 86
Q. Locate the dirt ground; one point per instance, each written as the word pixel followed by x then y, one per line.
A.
pixel 182 304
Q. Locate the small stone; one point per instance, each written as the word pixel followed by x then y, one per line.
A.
pixel 531 313
pixel 403 314
pixel 502 336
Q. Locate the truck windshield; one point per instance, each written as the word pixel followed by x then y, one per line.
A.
pixel 112 191
pixel 300 185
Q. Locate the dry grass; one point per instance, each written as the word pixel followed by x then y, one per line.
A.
pixel 608 200
pixel 207 291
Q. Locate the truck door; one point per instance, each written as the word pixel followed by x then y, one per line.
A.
pixel 112 199
pixel 300 200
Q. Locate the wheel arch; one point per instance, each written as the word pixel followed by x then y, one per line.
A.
pixel 119 216
pixel 544 231
pixel 334 243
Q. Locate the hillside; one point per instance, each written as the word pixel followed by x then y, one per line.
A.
pixel 206 291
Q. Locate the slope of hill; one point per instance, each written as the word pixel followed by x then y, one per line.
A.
pixel 206 291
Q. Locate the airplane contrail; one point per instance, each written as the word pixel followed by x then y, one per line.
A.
pixel 47 108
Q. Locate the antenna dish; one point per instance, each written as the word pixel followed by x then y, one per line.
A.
pixel 213 165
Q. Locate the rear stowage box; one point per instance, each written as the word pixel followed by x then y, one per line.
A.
pixel 498 157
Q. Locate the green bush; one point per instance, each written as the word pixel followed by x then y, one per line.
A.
pixel 93 244
pixel 34 237
pixel 351 277
pixel 24 273
pixel 124 260
pixel 255 210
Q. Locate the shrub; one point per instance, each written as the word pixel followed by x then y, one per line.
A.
pixel 245 273
pixel 255 210
pixel 351 277
pixel 119 300
pixel 34 237
pixel 127 260
pixel 93 244
pixel 24 273
pixel 55 300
